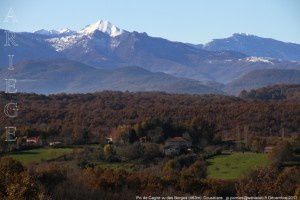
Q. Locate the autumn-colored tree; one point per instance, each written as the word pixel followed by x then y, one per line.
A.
pixel 130 152
pixel 124 134
pixel 197 170
pixel 220 188
pixel 257 144
pixel 151 151
pixel 171 171
pixel 109 152
pixel 15 182
pixel 155 113
pixel 281 153
pixel 269 181
pixel 202 131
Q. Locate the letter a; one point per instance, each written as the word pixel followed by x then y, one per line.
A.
pixel 10 17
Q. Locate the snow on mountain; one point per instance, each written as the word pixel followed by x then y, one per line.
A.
pixel 103 26
pixel 47 32
pixel 66 31
pixel 98 45
pixel 252 45
pixel 66 38
pixel 62 43
pixel 63 31
pixel 258 59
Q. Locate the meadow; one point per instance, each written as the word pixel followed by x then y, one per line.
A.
pixel 235 165
pixel 38 155
pixel 226 167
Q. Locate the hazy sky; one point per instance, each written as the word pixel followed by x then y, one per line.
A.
pixel 194 21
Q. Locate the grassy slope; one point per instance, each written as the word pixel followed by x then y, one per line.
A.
pixel 128 166
pixel 235 165
pixel 38 155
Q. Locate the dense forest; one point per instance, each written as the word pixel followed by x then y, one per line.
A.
pixel 95 115
pixel 274 92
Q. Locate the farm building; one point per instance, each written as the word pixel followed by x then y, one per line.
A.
pixel 176 145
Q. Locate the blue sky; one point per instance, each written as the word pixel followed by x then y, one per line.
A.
pixel 194 21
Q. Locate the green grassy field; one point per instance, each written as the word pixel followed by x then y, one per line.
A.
pixel 38 155
pixel 129 167
pixel 235 165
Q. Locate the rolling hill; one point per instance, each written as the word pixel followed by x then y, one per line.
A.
pixel 58 76
pixel 261 78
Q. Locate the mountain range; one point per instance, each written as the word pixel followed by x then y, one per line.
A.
pixel 57 76
pixel 102 56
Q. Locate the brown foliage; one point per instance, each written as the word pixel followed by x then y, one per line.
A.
pixel 65 115
pixel 270 181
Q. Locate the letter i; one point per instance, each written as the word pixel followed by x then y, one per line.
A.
pixel 10 62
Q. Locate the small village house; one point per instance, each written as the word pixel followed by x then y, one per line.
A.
pixel 176 145
pixel 268 149
pixel 109 140
pixel 55 144
pixel 33 141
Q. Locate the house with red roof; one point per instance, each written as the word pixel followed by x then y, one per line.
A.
pixel 33 140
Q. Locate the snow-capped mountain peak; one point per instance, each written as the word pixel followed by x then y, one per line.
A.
pixel 47 32
pixel 64 31
pixel 103 26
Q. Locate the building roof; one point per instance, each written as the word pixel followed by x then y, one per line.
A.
pixel 177 139
pixel 33 138
pixel 269 147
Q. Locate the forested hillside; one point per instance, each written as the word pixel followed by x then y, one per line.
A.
pixel 96 114
pixel 275 92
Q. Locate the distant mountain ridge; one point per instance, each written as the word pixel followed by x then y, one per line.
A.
pixel 111 50
pixel 256 46
pixel 64 31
